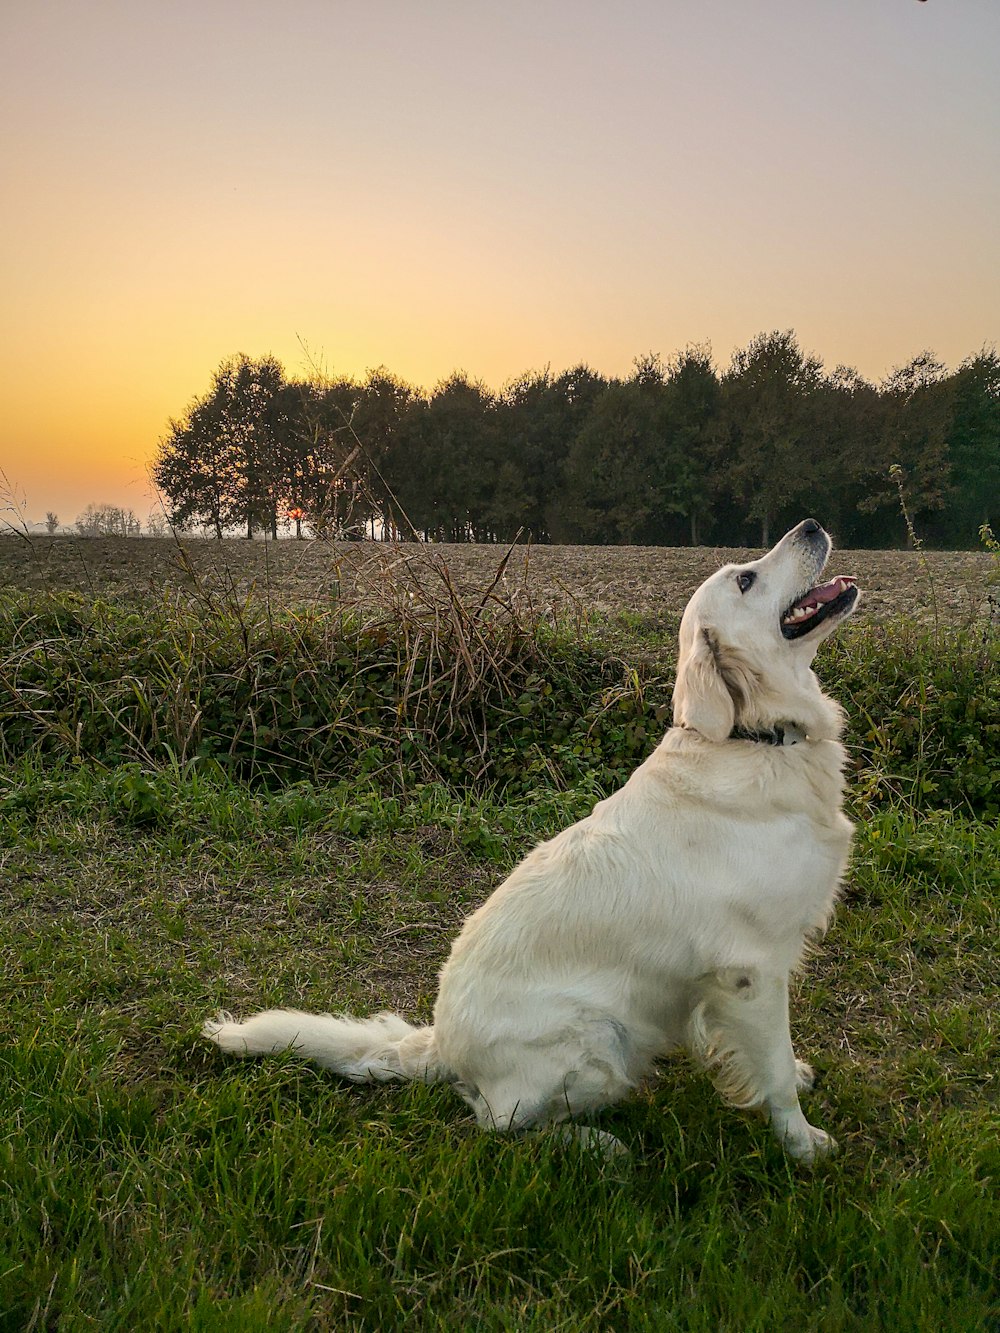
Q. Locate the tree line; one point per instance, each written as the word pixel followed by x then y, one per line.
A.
pixel 106 520
pixel 677 452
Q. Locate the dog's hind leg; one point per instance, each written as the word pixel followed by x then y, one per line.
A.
pixel 519 1118
pixel 533 1094
pixel 599 1142
pixel 740 1029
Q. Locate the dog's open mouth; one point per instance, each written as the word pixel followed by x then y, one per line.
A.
pixel 819 604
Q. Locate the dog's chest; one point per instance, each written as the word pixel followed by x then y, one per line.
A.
pixel 775 872
pixel 789 872
pixel 805 849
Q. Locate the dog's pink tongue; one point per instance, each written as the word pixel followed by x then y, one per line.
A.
pixel 826 592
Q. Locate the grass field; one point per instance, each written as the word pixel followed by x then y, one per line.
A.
pixel 145 1182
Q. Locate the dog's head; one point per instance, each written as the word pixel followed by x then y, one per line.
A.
pixel 748 638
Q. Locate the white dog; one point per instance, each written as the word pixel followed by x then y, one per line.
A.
pixel 671 916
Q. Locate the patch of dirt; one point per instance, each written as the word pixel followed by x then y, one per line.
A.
pixel 952 587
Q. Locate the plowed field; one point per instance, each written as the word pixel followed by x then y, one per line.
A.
pixel 952 587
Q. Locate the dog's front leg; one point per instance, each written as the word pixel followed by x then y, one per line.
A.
pixel 742 1029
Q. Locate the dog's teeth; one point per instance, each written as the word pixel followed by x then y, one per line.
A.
pixel 800 613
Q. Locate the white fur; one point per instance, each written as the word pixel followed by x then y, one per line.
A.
pixel 671 916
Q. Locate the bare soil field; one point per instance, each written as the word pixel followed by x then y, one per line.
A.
pixel 953 587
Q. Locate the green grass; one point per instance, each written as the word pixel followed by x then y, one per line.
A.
pixel 146 1182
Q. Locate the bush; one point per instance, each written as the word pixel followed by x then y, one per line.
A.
pixel 473 697
pixel 320 697
pixel 924 713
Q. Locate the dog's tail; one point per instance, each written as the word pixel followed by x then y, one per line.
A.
pixel 366 1050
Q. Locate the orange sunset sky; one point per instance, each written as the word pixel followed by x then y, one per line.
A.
pixel 434 185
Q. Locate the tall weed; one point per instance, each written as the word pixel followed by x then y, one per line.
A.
pixel 413 684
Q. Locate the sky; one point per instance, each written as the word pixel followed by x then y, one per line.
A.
pixel 435 185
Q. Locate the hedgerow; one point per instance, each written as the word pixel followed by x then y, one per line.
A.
pixel 476 693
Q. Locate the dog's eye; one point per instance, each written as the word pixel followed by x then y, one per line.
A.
pixel 745 580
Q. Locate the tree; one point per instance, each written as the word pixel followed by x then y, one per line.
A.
pixel 849 464
pixel 570 399
pixel 257 433
pixel 973 495
pixel 221 464
pixel 51 523
pixel 917 404
pixel 444 466
pixel 107 520
pixel 324 481
pixel 693 431
pixel 380 429
pixel 157 524
pixel 192 470
pixel 641 466
pixel 617 484
pixel 535 429
pixel 769 395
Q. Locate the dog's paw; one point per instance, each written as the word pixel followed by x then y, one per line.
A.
pixel 811 1147
pixel 604 1146
pixel 805 1077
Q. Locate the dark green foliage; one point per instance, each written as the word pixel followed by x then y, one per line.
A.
pixel 478 698
pixel 677 452
pixel 924 713
pixel 490 702
pixel 639 467
pixel 973 447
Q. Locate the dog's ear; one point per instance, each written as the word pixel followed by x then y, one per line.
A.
pixel 713 688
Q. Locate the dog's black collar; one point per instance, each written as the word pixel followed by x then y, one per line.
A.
pixel 782 733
